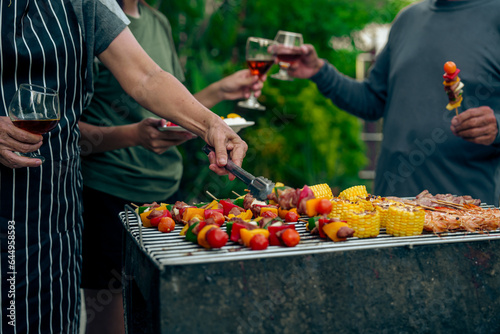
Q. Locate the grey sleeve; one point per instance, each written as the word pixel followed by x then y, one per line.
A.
pixel 101 21
pixel 365 99
pixel 110 21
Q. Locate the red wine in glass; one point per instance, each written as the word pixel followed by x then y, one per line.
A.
pixel 38 127
pixel 259 67
pixel 288 57
pixel 34 109
pixel 287 52
pixel 259 60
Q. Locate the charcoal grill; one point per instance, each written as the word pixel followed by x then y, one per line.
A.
pixel 444 283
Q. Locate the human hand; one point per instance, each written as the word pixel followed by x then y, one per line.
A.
pixel 239 85
pixel 308 64
pixel 157 141
pixel 225 141
pixel 477 125
pixel 13 139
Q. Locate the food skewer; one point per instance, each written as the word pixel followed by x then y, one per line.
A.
pixel 234 192
pixel 453 86
pixel 134 205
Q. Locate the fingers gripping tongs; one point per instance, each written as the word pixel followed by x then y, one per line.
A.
pixel 259 187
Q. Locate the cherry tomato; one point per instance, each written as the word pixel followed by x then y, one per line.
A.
pixel 450 67
pixel 324 207
pixel 259 242
pixel 217 238
pixel 166 225
pixel 217 217
pixel 268 214
pixel 290 237
pixel 291 216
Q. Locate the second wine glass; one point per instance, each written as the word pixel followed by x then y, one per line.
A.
pixel 34 109
pixel 259 59
pixel 287 51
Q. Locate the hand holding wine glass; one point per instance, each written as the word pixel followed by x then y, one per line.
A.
pixel 287 51
pixel 259 59
pixel 34 109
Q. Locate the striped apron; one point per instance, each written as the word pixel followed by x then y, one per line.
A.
pixel 40 208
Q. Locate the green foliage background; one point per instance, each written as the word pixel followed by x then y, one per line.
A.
pixel 302 138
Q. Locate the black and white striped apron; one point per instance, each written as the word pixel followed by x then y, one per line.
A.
pixel 40 210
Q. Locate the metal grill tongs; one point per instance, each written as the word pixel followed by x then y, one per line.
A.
pixel 259 187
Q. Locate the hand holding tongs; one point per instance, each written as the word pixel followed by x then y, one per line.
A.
pixel 259 187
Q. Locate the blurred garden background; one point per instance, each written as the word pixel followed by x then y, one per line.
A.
pixel 302 138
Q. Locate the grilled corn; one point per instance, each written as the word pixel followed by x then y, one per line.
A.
pixel 403 220
pixel 322 190
pixel 365 224
pixel 353 193
pixel 342 206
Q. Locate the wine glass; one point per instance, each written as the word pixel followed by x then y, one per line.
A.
pixel 259 59
pixel 34 109
pixel 287 51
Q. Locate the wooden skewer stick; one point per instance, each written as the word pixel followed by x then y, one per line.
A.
pixel 456 111
pixel 424 206
pixel 234 192
pixel 134 205
pixel 213 197
pixel 454 205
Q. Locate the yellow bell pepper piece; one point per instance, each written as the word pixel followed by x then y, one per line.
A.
pixel 190 213
pixel 247 235
pixel 264 209
pixel 184 229
pixel 332 229
pixel 202 240
pixel 311 207
pixel 145 221
pixel 213 205
pixel 247 215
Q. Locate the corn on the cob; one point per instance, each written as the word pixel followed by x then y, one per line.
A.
pixel 341 206
pixel 366 205
pixel 353 193
pixel 322 190
pixel 365 224
pixel 383 209
pixel 404 220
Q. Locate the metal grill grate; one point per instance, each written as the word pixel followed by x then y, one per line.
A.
pixel 167 249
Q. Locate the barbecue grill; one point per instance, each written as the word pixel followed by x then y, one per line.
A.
pixel 428 283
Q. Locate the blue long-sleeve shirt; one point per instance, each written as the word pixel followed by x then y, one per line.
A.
pixel 405 88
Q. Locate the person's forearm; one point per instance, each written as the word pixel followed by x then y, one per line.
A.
pixel 210 95
pixel 97 139
pixel 175 103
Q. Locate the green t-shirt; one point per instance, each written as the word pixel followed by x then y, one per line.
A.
pixel 134 173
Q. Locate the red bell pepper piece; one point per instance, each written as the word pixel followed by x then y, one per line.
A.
pixel 273 238
pixel 321 222
pixel 235 231
pixel 451 76
pixel 156 220
pixel 202 225
pixel 227 205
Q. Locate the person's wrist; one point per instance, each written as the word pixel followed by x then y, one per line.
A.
pixel 319 64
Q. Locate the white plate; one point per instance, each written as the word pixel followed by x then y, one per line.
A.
pixel 236 127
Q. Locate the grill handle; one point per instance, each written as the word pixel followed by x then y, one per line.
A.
pixel 127 208
pixel 236 170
